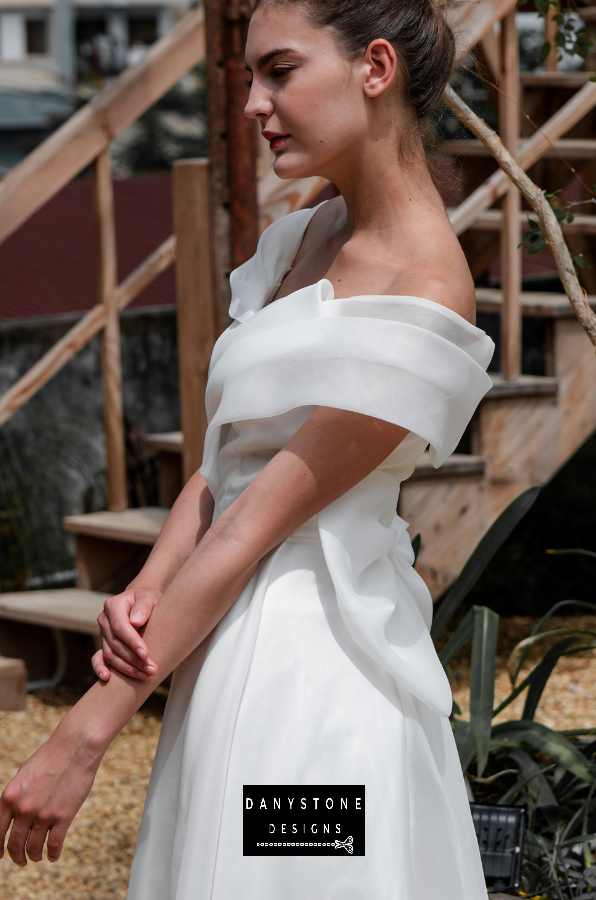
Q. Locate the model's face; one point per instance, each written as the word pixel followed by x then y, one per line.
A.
pixel 311 102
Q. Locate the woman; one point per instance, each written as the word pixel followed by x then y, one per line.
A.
pixel 282 588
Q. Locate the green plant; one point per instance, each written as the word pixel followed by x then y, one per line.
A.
pixel 522 761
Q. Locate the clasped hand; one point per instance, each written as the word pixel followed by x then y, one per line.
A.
pixel 122 646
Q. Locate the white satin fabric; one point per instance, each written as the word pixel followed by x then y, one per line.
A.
pixel 323 671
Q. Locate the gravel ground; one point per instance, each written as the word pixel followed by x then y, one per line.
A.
pixel 99 847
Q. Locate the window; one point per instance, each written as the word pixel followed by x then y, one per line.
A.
pixel 37 36
pixel 142 31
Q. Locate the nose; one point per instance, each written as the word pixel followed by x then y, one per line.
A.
pixel 259 105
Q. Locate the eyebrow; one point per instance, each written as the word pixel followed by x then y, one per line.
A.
pixel 267 57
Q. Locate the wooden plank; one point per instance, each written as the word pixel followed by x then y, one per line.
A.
pixel 70 609
pixel 568 148
pixel 194 286
pixel 495 186
pixel 145 273
pixel 169 442
pixel 133 526
pixel 511 270
pixel 242 136
pixel 13 684
pixel 565 80
pixel 86 134
pixel 471 21
pixel 221 221
pixel 458 464
pixel 84 331
pixel 524 386
pixel 111 365
pixel 533 303
pixel 550 33
pixel 490 220
pixel 51 362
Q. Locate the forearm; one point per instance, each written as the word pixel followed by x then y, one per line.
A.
pixel 188 521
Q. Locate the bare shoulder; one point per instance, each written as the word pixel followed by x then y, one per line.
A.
pixel 439 273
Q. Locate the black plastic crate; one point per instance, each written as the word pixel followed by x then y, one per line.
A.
pixel 500 832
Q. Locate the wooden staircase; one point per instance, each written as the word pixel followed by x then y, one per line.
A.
pixel 525 429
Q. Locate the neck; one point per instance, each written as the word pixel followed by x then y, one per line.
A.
pixel 383 189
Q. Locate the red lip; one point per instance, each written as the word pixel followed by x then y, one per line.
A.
pixel 276 141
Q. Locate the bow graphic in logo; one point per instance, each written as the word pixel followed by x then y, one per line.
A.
pixel 345 845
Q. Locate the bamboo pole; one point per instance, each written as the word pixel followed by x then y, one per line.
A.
pixel 194 284
pixel 111 368
pixel 539 204
pixel 511 270
pixel 530 152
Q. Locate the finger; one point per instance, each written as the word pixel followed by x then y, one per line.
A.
pixel 99 666
pixel 121 628
pixel 56 839
pixel 36 839
pixel 117 650
pixel 5 820
pixel 17 840
pixel 122 666
pixel 142 609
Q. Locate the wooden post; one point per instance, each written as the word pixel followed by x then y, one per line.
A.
pixel 111 369
pixel 510 230
pixel 232 147
pixel 194 286
pixel 550 32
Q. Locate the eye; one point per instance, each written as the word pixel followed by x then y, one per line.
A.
pixel 248 83
pixel 281 71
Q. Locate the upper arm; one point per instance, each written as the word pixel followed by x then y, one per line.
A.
pixel 333 451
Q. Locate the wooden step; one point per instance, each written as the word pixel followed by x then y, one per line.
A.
pixel 455 466
pixel 491 220
pixel 169 442
pixel 533 303
pixel 568 148
pixel 524 386
pixel 69 609
pixel 133 526
pixel 568 80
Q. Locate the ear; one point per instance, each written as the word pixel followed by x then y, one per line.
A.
pixel 381 65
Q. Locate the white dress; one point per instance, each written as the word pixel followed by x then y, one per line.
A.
pixel 323 672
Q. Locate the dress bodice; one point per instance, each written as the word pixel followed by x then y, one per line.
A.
pixel 403 359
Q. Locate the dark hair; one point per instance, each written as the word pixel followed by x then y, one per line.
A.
pixel 417 30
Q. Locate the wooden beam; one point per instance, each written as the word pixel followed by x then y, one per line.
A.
pixel 111 365
pixel 550 33
pixel 568 148
pixel 242 143
pixel 86 134
pixel 471 22
pixel 221 220
pixel 492 218
pixel 84 331
pixel 495 186
pixel 195 302
pixel 511 270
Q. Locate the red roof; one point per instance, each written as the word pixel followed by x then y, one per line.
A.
pixel 49 265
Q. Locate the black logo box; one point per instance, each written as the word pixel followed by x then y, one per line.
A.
pixel 303 820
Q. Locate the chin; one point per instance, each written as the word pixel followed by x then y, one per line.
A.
pixel 290 165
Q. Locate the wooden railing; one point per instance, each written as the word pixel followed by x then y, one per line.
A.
pixel 86 139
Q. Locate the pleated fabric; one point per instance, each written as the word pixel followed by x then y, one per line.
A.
pixel 323 671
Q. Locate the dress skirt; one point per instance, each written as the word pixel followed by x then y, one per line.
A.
pixel 280 694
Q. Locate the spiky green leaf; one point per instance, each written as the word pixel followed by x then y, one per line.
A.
pixel 494 538
pixel 482 681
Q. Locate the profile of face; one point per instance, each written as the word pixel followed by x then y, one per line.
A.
pixel 316 107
